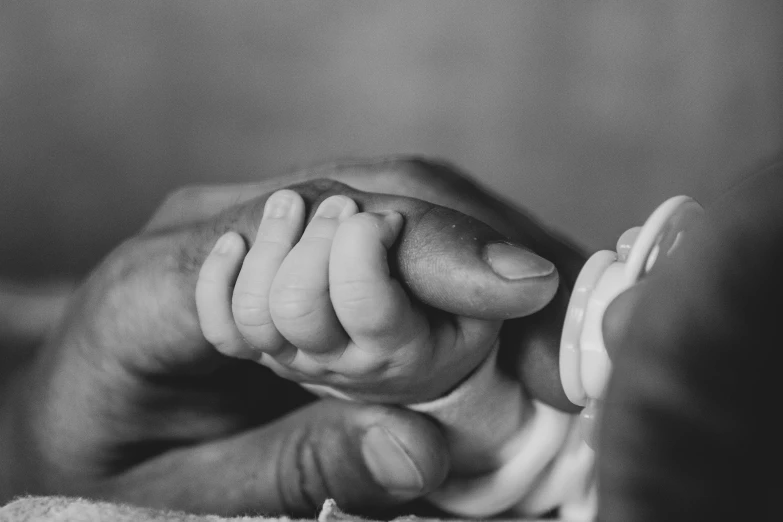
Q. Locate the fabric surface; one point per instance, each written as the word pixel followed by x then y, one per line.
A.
pixel 62 509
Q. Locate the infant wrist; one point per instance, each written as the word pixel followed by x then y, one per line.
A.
pixel 479 417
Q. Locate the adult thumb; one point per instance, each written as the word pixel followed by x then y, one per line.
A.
pixel 461 265
pixel 365 457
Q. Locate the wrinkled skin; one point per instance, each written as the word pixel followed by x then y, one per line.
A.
pixel 688 431
pixel 127 402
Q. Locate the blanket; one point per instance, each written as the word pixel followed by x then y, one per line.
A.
pixel 62 509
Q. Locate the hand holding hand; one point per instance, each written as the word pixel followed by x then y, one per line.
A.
pixel 127 401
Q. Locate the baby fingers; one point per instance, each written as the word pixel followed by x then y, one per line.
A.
pixel 279 229
pixel 299 296
pixel 372 307
pixel 213 295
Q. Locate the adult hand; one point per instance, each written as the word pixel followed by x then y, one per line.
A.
pixel 126 401
pixel 688 428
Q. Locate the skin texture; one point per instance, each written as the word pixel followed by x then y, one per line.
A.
pixel 126 401
pixel 688 431
pixel 321 306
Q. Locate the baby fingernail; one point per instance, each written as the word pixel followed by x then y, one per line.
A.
pixel 393 220
pixel 513 262
pixel 391 466
pixel 278 204
pixel 333 207
pixel 224 244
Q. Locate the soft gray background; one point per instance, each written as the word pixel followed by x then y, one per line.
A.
pixel 589 113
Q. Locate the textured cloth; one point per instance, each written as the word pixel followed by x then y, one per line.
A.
pixel 61 509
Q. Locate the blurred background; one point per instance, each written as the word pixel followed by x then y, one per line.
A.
pixel 587 113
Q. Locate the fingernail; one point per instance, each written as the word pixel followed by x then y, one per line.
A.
pixel 513 262
pixel 333 206
pixel 223 245
pixel 278 204
pixel 391 466
pixel 393 220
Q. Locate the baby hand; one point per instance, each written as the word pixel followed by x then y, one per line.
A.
pixel 320 306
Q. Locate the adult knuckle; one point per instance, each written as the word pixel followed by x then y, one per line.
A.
pixel 324 187
pixel 426 169
pixel 314 191
pixel 175 202
pixel 181 196
pixel 302 482
pixel 124 273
